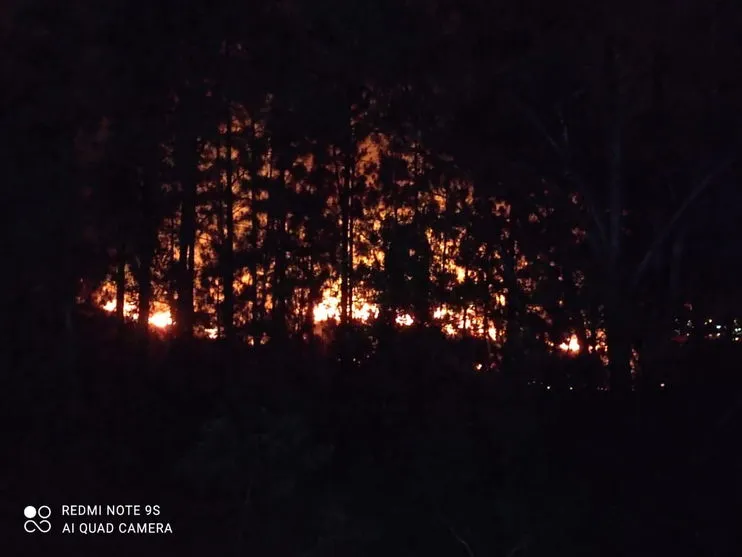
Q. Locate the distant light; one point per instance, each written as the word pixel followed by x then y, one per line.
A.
pixel 571 388
pixel 477 366
pixel 548 387
pixel 662 385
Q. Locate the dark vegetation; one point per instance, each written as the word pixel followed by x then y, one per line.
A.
pixel 285 452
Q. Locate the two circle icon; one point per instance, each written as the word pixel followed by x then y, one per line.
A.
pixel 42 525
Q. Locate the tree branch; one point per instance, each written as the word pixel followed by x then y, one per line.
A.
pixel 562 153
pixel 447 524
pixel 459 539
pixel 670 225
pixel 595 245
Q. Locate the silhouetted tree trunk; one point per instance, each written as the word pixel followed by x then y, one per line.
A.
pixel 227 256
pixel 253 169
pixel 278 229
pixel 120 283
pixel 513 310
pixel 315 297
pixel 617 333
pixel 145 288
pixel 147 240
pixel 187 169
pixel 346 257
pixel 618 338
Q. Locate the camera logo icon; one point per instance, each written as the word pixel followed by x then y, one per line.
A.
pixel 43 525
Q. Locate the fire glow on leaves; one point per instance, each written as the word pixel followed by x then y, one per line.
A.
pixel 391 197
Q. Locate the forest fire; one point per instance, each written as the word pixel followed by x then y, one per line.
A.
pixel 452 322
pixel 389 248
pixel 159 319
pixel 421 256
pixel 329 309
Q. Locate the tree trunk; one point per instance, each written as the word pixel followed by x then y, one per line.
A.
pixel 280 292
pixel 254 163
pixel 618 338
pixel 121 283
pixel 227 256
pixel 513 310
pixel 346 246
pixel 187 236
pixel 145 285
pixel 618 334
pixel 145 291
pixel 315 297
pixel 147 241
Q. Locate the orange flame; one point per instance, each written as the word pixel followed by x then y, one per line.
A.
pixel 573 345
pixel 159 319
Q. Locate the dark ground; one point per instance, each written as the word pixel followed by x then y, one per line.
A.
pixel 279 453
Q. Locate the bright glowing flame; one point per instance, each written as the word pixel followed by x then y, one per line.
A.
pixel 469 319
pixel 111 306
pixel 326 310
pixel 366 312
pixel 329 308
pixel 159 319
pixel 405 320
pixel 572 346
pixel 453 322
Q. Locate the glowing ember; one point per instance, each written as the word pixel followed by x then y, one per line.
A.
pixel 449 330
pixel 159 319
pixel 366 312
pixel 404 320
pixel 572 346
